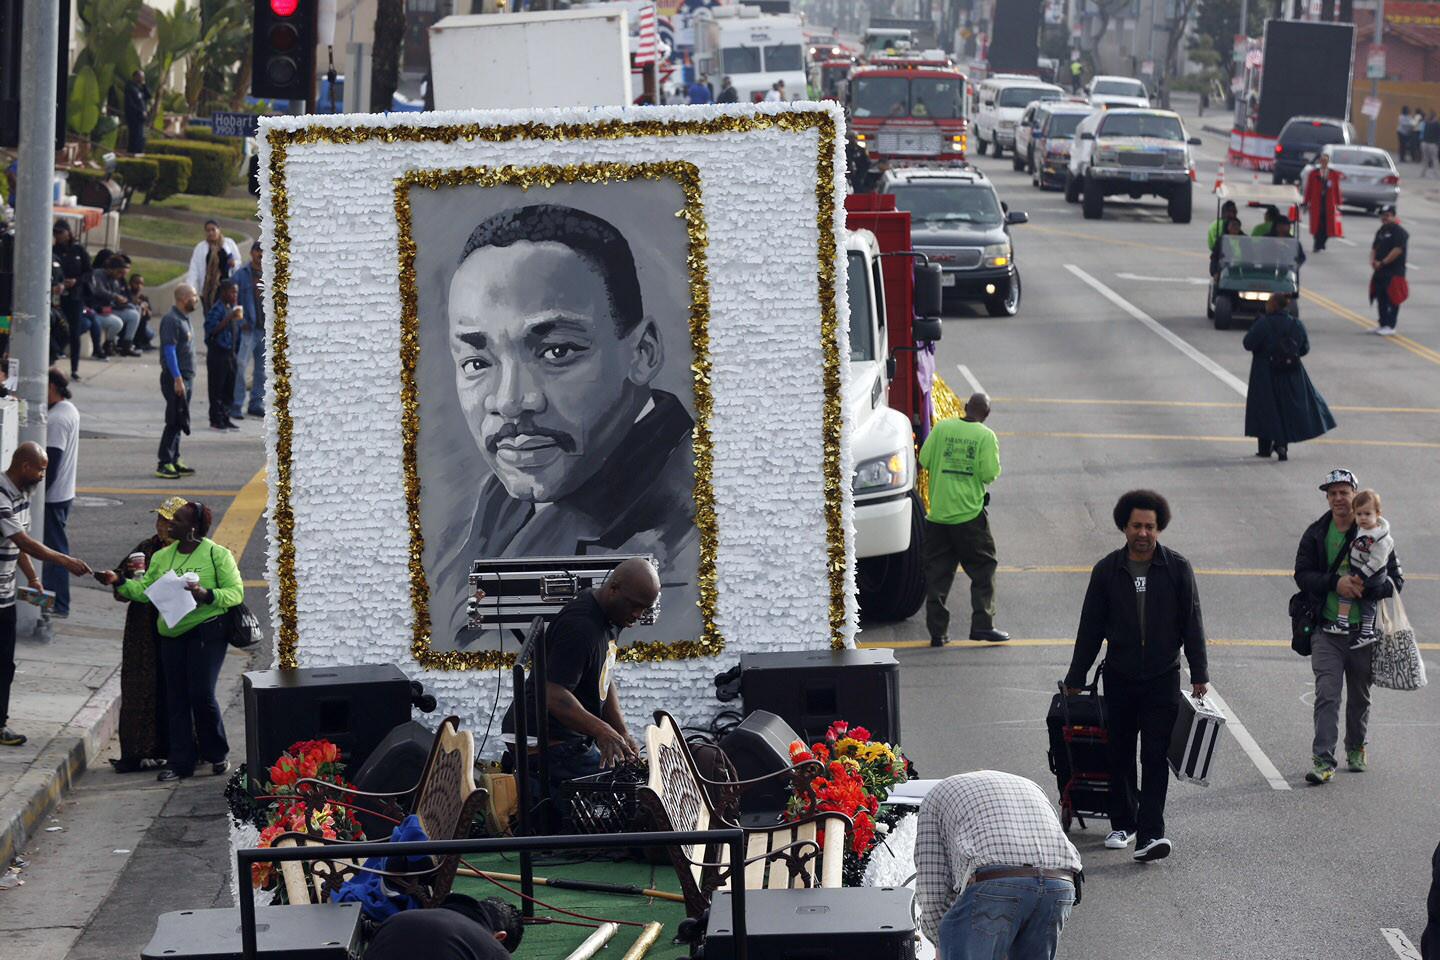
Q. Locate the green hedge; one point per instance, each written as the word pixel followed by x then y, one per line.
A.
pixel 75 175
pixel 211 164
pixel 205 135
pixel 173 176
pixel 138 173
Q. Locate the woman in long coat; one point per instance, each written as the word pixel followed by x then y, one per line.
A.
pixel 143 740
pixel 1282 406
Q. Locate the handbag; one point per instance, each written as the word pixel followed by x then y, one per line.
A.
pixel 1396 663
pixel 1305 609
pixel 242 628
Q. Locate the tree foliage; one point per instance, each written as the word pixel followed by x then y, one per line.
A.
pixel 1218 21
pixel 385 58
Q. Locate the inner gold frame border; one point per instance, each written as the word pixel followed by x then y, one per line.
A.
pixel 798 122
pixel 687 176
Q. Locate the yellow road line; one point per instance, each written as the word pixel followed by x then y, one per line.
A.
pixel 161 492
pixel 1212 572
pixel 1067 642
pixel 1216 404
pixel 1345 313
pixel 1327 441
pixel 239 520
pixel 262 584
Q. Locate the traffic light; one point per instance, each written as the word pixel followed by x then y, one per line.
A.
pixel 284 49
pixel 10 65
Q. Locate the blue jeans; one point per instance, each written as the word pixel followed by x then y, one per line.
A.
pixel 1016 918
pixel 252 351
pixel 54 577
pixel 190 664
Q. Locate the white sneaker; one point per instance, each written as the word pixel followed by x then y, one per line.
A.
pixel 1152 850
pixel 1118 840
pixel 1376 329
pixel 1386 331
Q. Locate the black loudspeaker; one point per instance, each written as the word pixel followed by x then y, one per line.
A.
pixel 329 931
pixel 1015 36
pixel 353 707
pixel 877 923
pixel 760 745
pixel 394 765
pixel 812 689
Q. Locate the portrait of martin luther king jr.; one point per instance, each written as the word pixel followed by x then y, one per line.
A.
pixel 555 363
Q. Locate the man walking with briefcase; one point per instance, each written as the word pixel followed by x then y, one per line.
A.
pixel 1143 600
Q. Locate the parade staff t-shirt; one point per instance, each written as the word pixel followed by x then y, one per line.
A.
pixel 963 458
pixel 1387 238
pixel 580 651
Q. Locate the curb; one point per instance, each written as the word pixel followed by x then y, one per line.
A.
pixel 57 767
pixel 1215 130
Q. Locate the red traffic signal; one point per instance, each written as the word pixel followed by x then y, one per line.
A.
pixel 284 8
pixel 284 49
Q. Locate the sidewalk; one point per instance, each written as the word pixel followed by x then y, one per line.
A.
pixel 66 699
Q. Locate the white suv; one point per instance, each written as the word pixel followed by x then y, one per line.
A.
pixel 1001 104
pixel 1133 152
pixel 1106 91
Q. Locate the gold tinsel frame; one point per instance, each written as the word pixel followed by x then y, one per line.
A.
pixel 687 176
pixel 822 123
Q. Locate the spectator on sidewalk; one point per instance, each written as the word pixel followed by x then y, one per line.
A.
pixel 137 111
pixel 62 446
pixel 222 327
pixel 144 336
pixel 728 93
pixel 177 381
pixel 118 318
pixel 27 468
pixel 75 265
pixel 192 651
pixel 1430 145
pixel 144 743
pixel 214 259
pixel 250 280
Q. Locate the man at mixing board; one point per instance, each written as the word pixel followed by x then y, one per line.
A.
pixel 587 728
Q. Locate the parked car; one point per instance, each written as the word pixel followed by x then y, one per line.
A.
pixel 1002 101
pixel 1050 148
pixel 1368 176
pixel 958 221
pixel 1132 152
pixel 1106 91
pixel 1302 139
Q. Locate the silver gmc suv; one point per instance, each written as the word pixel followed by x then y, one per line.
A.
pixel 1135 153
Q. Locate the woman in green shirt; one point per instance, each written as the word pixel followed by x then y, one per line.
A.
pixel 193 650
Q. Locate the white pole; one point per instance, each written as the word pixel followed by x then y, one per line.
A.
pixel 1375 81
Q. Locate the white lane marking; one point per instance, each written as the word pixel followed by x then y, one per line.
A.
pixel 1161 331
pixel 970 379
pixel 1400 943
pixel 1345 240
pixel 1247 743
pixel 1198 281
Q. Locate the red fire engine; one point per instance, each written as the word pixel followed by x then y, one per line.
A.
pixel 909 108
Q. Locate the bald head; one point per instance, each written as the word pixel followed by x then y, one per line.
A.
pixel 27 466
pixel 185 297
pixel 631 589
pixel 977 408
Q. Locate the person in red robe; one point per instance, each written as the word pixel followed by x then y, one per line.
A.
pixel 1322 199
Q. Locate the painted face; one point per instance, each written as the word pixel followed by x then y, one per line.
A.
pixel 548 385
pixel 1367 516
pixel 1142 532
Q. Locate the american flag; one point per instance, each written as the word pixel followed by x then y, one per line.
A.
pixel 646 49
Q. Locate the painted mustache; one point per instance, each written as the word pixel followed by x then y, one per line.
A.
pixel 512 431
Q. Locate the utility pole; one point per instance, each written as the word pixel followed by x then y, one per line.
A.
pixel 34 207
pixel 1379 41
pixel 1239 66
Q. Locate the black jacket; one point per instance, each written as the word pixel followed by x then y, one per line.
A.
pixel 1312 570
pixel 1172 621
pixel 74 263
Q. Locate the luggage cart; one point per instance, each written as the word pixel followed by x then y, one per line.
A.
pixel 1079 754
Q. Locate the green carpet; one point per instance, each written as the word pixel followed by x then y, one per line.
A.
pixel 557 940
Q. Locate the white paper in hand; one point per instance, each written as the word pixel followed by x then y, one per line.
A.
pixel 172 601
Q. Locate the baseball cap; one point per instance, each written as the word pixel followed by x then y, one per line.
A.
pixel 1339 475
pixel 60 382
pixel 1387 208
pixel 170 506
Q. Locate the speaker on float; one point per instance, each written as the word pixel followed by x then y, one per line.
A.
pixel 824 923
pixel 353 707
pixel 760 745
pixel 305 931
pixel 394 765
pixel 814 688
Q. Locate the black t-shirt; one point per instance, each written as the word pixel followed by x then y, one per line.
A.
pixel 579 656
pixel 1387 238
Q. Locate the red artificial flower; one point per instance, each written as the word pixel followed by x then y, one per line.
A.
pixel 821 751
pixel 860 733
pixel 837 730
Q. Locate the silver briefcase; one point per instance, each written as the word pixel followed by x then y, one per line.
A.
pixel 1192 743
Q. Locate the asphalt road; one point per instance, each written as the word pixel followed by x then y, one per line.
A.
pixel 1090 401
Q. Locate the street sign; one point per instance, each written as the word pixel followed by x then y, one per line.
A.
pixel 1148 67
pixel 1371 107
pixel 234 124
pixel 1375 64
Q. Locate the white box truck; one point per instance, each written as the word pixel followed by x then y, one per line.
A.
pixel 754 51
pixel 508 61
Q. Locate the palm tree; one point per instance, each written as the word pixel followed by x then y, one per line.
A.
pixel 385 59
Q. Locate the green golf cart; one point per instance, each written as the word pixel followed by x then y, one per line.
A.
pixel 1250 269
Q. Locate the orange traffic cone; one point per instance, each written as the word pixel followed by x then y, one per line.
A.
pixel 1219 179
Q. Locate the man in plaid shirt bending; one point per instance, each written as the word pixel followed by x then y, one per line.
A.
pixel 996 876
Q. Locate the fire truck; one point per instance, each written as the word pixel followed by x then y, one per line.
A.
pixel 909 108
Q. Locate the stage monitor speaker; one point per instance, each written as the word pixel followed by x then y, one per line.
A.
pixel 1015 37
pixel 877 923
pixel 761 745
pixel 393 766
pixel 814 688
pixel 353 707
pixel 328 931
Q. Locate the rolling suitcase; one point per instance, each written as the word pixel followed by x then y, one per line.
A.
pixel 1079 753
pixel 1192 742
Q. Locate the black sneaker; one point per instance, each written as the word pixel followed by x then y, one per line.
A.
pixel 9 738
pixel 221 768
pixel 1147 850
pixel 939 641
